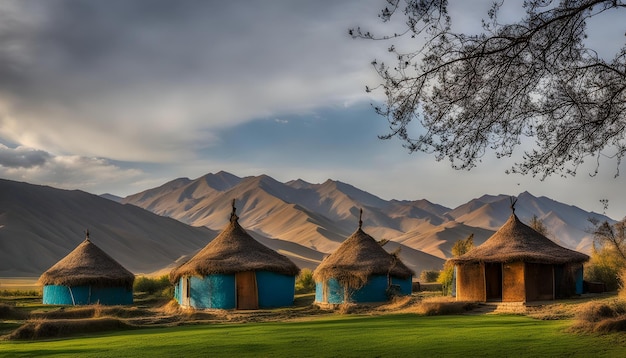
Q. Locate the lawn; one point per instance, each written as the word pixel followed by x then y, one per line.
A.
pixel 393 335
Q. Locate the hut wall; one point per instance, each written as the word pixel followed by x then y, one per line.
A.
pixel 329 291
pixel 470 283
pixel 539 280
pixel 275 290
pixel 406 285
pixel 578 278
pixel 85 295
pixel 375 290
pixel 212 291
pixel 177 292
pixel 513 287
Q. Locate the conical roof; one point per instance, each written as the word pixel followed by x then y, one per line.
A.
pixel 87 264
pixel 357 258
pixel 516 241
pixel 234 250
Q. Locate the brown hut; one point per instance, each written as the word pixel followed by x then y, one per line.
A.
pixel 518 264
pixel 87 275
pixel 235 271
pixel 360 270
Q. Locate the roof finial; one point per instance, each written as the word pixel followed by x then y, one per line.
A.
pixel 513 201
pixel 233 215
pixel 87 234
pixel 360 217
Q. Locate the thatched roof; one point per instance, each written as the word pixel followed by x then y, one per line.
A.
pixel 87 264
pixel 358 258
pixel 234 250
pixel 516 241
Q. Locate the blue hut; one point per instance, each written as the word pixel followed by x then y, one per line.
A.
pixel 235 271
pixel 360 271
pixel 87 275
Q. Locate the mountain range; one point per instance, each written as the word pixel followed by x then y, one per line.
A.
pixel 152 230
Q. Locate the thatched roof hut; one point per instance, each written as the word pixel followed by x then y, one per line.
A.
pixel 360 270
pixel 235 271
pixel 234 250
pixel 518 264
pixel 516 241
pixel 87 264
pixel 357 258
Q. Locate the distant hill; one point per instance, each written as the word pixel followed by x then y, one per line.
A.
pixel 156 229
pixel 321 216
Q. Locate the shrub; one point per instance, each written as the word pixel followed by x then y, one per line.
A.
pixel 20 293
pixel 604 266
pixel 305 282
pixel 429 276
pixel 160 286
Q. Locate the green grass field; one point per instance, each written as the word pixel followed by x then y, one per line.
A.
pixel 404 335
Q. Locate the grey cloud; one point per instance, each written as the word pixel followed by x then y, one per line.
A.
pixel 22 157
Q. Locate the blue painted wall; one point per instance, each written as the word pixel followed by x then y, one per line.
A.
pixel 275 290
pixel 579 280
pixel 212 291
pixel 85 295
pixel 219 291
pixel 177 291
pixel 374 291
pixel 406 285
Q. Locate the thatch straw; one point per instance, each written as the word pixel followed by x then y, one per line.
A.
pixel 515 241
pixel 87 264
pixel 232 251
pixel 358 258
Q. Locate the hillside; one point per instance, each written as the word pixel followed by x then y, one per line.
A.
pixel 320 216
pixel 304 221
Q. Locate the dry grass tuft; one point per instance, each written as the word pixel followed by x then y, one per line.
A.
pixel 601 317
pixel 42 329
pixel 10 312
pixel 434 306
pixel 93 311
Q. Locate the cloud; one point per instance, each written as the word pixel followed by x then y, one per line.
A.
pixel 68 172
pixel 21 157
pixel 155 80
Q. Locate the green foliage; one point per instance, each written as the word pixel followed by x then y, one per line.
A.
pixel 538 225
pixel 608 258
pixel 429 276
pixel 604 266
pixel 20 293
pixel 462 246
pixel 305 282
pixel 447 275
pixel 159 286
pixel 446 278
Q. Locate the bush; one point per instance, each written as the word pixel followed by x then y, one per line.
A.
pixel 605 266
pixel 429 276
pixel 305 282
pixel 160 286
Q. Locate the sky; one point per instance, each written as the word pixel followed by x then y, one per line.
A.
pixel 120 96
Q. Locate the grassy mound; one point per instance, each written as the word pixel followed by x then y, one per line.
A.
pixel 42 329
pixel 601 317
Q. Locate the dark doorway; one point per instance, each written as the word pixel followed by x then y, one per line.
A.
pixel 493 281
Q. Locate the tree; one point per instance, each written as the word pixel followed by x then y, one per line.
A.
pixel 608 257
pixel 538 225
pixel 535 78
pixel 459 248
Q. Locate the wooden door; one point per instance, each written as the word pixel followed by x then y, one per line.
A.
pixel 247 294
pixel 493 281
